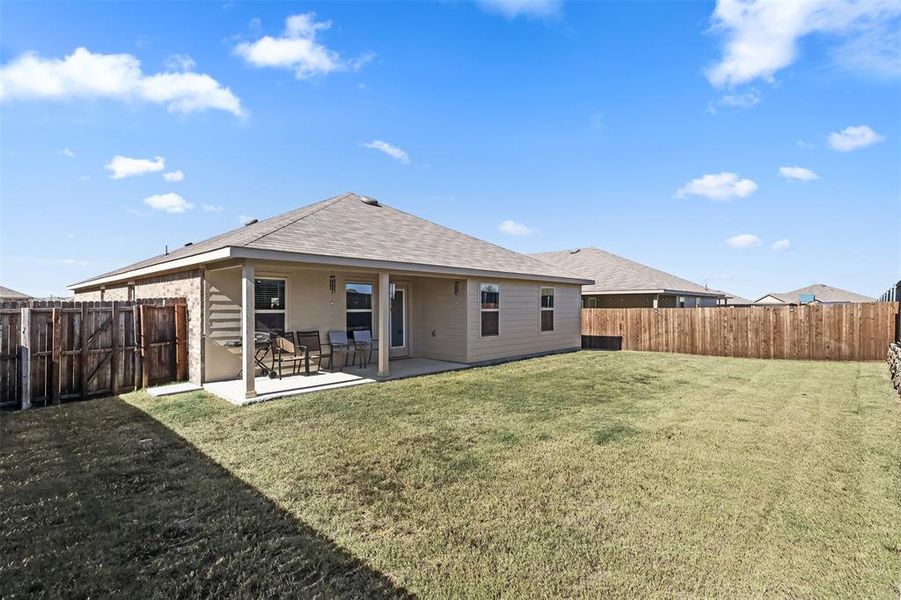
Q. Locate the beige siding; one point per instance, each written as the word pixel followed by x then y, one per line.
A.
pixel 519 320
pixel 439 320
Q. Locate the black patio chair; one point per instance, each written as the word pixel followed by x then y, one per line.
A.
pixel 285 351
pixel 309 343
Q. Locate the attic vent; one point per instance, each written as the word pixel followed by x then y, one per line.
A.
pixel 576 251
pixel 189 244
pixel 251 222
pixel 369 201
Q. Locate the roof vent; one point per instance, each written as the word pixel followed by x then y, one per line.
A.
pixel 576 251
pixel 189 244
pixel 369 201
pixel 251 222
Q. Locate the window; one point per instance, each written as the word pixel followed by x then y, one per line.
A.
pixel 491 303
pixel 547 309
pixel 359 306
pixel 589 302
pixel 269 305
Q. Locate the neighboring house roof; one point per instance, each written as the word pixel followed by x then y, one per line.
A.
pixel 733 299
pixel 10 294
pixel 819 291
pixel 614 274
pixel 354 228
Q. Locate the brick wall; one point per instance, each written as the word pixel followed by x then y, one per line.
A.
pixel 184 284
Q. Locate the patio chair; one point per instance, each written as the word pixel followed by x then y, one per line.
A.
pixel 286 351
pixel 308 342
pixel 337 341
pixel 362 345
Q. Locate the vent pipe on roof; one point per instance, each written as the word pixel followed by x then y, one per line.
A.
pixel 369 201
pixel 251 222
pixel 189 244
pixel 576 251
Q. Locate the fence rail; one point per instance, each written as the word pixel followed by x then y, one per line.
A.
pixel 52 351
pixel 807 332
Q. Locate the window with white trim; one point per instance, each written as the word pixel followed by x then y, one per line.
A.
pixel 269 305
pixel 547 309
pixel 358 298
pixel 490 298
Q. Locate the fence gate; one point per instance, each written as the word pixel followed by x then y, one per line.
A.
pixel 55 351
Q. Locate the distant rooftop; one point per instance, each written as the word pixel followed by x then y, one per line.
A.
pixel 612 273
pixel 821 293
pixel 10 294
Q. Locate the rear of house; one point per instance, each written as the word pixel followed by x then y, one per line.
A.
pixel 623 283
pixel 351 263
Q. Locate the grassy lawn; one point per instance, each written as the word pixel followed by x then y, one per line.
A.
pixel 586 475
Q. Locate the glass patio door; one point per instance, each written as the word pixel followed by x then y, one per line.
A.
pixel 398 324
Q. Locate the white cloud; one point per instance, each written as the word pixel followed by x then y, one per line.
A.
pixel 180 62
pixel 170 203
pixel 514 228
pixel 781 245
pixel 173 176
pixel 762 36
pixel 392 151
pixel 743 100
pixel 718 186
pixel 853 138
pixel 122 166
pixel 67 152
pixel 540 9
pixel 298 50
pixel 211 207
pixel 84 74
pixel 797 174
pixel 743 240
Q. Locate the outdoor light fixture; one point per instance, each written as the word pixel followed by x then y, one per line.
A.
pixel 332 287
pixel 456 288
pixel 391 290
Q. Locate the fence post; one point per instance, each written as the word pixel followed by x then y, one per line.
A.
pixel 139 363
pixel 57 336
pixel 181 342
pixel 114 357
pixel 25 357
pixel 145 347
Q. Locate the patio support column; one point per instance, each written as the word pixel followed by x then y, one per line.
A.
pixel 384 333
pixel 247 329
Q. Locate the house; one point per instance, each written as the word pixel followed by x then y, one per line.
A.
pixel 817 293
pixel 731 299
pixel 7 294
pixel 353 263
pixel 623 283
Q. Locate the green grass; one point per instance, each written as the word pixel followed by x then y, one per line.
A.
pixel 588 475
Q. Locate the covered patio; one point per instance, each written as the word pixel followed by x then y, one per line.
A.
pixel 267 389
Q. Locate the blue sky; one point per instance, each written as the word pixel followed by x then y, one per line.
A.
pixel 653 130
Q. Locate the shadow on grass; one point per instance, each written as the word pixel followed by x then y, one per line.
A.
pixel 99 499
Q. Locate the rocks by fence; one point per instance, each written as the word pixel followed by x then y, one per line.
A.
pixel 894 365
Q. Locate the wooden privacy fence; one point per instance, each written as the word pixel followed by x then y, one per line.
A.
pixel 809 332
pixel 52 351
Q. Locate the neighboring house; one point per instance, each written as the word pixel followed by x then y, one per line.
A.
pixel 352 263
pixel 8 294
pixel 623 283
pixel 730 299
pixel 816 293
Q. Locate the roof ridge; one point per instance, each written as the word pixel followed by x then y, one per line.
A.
pixel 325 204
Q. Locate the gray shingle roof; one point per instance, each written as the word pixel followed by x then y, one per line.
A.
pixel 346 226
pixel 612 273
pixel 10 294
pixel 821 293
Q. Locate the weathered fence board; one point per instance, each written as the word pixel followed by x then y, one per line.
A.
pixel 52 351
pixel 808 332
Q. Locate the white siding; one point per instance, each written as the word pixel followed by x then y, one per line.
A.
pixel 520 332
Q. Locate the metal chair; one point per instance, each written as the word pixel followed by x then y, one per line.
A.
pixel 337 341
pixel 309 343
pixel 285 351
pixel 362 345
